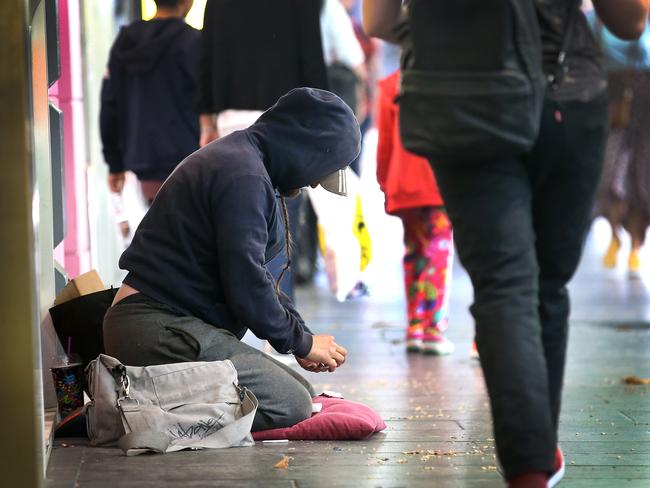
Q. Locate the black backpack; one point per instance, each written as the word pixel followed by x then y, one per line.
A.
pixel 472 83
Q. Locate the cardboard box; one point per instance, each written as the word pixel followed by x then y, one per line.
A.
pixel 83 284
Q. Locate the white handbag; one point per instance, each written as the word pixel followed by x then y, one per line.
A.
pixel 168 407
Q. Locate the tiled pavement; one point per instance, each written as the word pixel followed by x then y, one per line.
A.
pixel 439 432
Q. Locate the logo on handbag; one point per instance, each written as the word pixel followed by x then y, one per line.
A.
pixel 200 430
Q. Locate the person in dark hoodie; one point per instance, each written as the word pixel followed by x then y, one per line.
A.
pixel 148 122
pixel 197 276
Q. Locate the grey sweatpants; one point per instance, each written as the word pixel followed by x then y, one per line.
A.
pixel 140 331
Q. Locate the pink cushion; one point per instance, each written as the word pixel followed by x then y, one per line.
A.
pixel 339 419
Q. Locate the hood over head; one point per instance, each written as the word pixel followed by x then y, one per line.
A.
pixel 307 135
pixel 143 43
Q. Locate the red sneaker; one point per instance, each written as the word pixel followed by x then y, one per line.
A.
pixel 473 353
pixel 558 474
pixel 414 336
pixel 535 479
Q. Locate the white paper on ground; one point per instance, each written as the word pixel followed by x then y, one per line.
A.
pixel 332 394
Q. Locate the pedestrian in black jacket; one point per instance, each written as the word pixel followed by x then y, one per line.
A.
pixel 197 276
pixel 520 220
pixel 253 52
pixel 148 121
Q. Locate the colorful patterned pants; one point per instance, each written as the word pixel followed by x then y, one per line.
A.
pixel 427 267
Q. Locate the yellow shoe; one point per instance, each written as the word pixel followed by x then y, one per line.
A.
pixel 634 261
pixel 609 259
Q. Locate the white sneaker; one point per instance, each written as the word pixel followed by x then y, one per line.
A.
pixel 437 345
pixel 414 335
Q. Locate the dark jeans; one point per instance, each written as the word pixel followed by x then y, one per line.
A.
pixel 140 331
pixel 519 227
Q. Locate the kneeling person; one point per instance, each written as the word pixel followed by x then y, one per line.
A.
pixel 197 277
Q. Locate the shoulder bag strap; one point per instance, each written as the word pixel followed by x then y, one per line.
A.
pixel 556 78
pixel 139 437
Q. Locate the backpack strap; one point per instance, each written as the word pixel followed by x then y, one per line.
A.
pixel 555 79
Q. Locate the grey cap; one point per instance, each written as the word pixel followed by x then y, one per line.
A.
pixel 336 182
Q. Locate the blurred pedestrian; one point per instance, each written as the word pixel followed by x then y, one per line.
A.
pixel 520 216
pixel 344 58
pixel 412 194
pixel 147 118
pixel 624 193
pixel 254 51
pixel 370 47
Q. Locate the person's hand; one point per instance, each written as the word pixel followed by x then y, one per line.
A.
pixel 311 366
pixel 209 130
pixel 325 354
pixel 116 182
pixel 381 17
pixel 207 136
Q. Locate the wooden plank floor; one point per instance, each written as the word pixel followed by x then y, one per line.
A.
pixel 439 431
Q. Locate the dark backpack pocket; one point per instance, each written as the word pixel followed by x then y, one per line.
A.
pixel 463 116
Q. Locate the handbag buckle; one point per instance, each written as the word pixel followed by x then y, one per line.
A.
pixel 125 383
pixel 128 404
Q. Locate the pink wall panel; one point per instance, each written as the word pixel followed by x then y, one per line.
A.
pixel 67 94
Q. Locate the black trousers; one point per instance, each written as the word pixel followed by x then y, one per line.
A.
pixel 519 227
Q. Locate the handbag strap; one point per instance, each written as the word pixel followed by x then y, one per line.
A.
pixel 141 439
pixel 555 79
pixel 136 443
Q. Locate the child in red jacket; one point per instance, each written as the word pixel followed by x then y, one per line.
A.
pixel 412 194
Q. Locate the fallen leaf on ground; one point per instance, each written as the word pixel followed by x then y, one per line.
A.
pixel 283 463
pixel 635 380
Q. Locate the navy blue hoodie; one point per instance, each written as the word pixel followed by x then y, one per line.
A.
pixel 148 121
pixel 203 245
